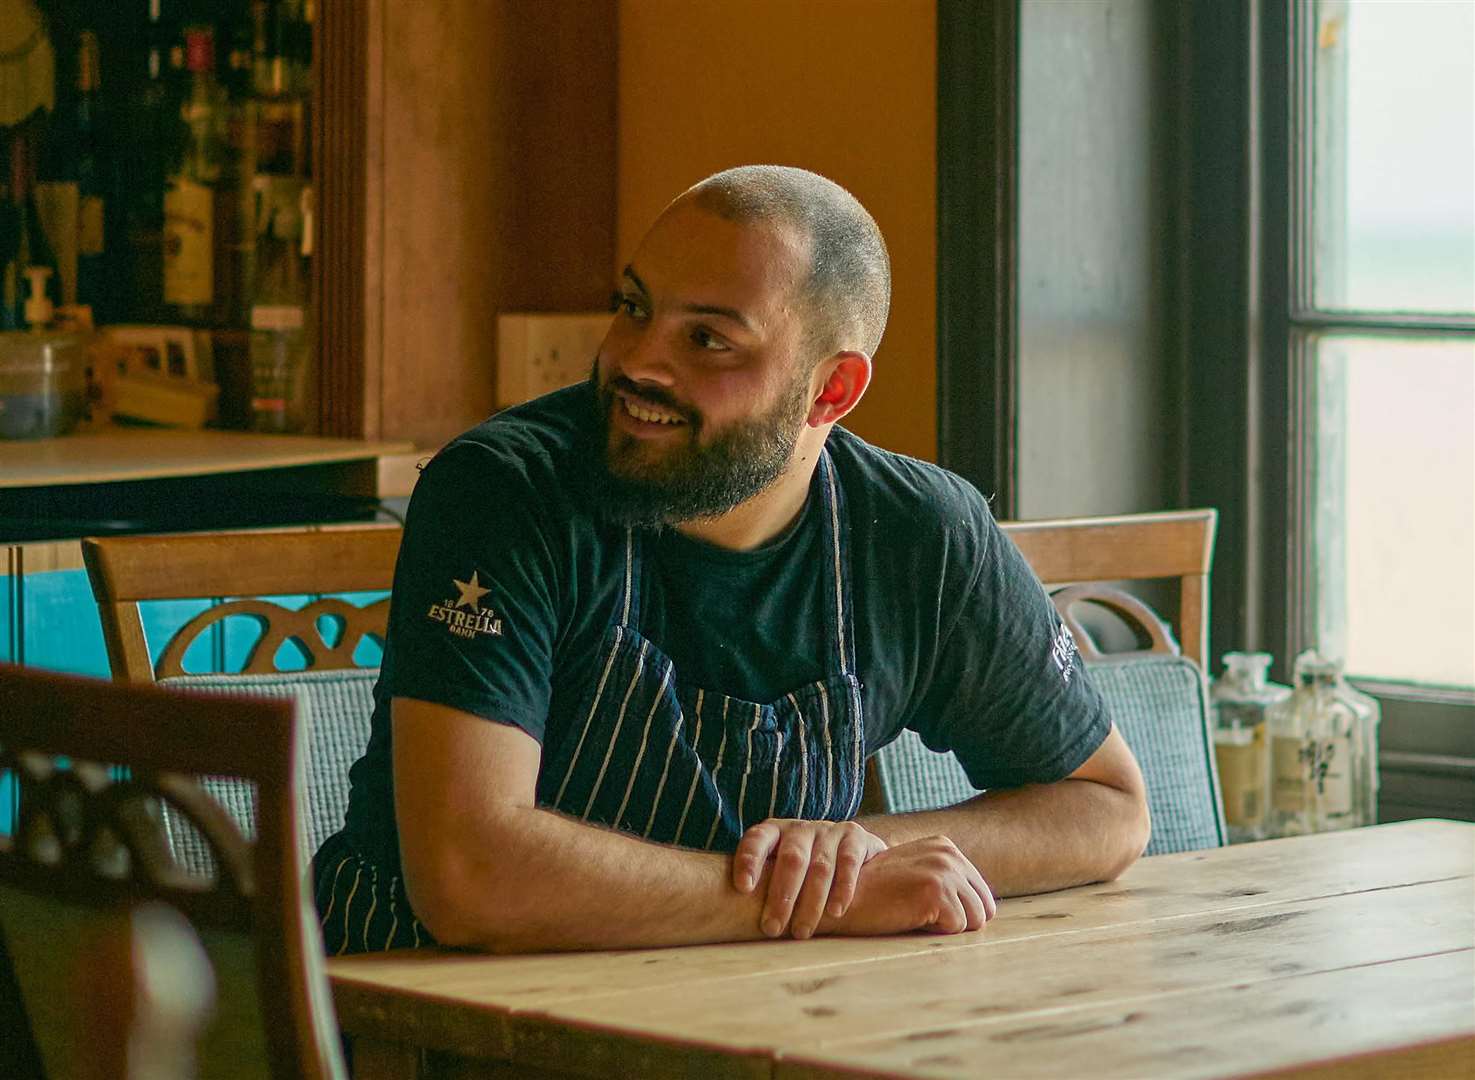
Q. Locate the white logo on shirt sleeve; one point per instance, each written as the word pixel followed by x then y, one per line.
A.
pixel 464 616
pixel 1063 652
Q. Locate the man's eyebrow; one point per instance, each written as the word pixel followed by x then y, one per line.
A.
pixel 696 309
pixel 630 273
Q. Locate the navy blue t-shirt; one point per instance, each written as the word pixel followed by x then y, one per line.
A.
pixel 508 578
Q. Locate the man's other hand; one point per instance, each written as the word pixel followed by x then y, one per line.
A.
pixel 816 866
pixel 923 884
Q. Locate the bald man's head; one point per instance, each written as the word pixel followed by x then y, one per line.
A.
pixel 848 287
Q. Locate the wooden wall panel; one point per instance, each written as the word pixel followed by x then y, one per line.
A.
pixel 844 87
pixel 487 168
pixel 341 265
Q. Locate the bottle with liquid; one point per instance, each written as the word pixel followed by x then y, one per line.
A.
pixel 1323 753
pixel 190 212
pixel 87 171
pixel 281 343
pixel 281 90
pixel 145 144
pixel 1241 699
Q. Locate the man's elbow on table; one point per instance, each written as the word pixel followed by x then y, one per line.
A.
pixel 1126 822
pixel 1134 829
pixel 439 885
pixel 464 793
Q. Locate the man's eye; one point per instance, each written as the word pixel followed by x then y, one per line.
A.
pixel 705 339
pixel 627 305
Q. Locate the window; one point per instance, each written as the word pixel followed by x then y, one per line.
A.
pixel 1382 341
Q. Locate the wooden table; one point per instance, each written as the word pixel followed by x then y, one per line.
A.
pixel 1346 954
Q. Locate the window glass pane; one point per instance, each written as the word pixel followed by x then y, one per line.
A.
pixel 1393 158
pixel 1395 506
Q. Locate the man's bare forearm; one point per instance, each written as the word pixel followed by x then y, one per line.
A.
pixel 549 882
pixel 1034 839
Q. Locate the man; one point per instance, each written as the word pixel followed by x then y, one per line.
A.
pixel 645 631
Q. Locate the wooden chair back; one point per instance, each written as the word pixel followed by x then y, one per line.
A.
pixel 88 846
pixel 126 570
pixel 1177 544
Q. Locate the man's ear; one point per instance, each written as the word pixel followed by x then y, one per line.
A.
pixel 843 380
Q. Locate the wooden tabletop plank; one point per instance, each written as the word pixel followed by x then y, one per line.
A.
pixel 971 977
pixel 1167 886
pixel 1378 1020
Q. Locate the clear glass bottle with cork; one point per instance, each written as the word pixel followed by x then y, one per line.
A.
pixel 1241 699
pixel 1323 753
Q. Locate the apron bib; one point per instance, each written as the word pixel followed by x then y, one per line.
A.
pixel 685 765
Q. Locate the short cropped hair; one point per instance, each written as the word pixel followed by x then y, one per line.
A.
pixel 848 290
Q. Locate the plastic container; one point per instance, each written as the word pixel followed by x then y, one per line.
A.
pixel 43 384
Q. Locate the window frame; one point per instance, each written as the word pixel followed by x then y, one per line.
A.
pixel 1425 721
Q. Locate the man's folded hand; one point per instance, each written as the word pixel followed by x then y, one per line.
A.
pixel 925 884
pixel 816 867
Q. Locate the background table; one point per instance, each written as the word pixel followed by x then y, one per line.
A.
pixel 1347 950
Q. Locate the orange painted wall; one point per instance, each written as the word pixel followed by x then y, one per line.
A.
pixel 844 87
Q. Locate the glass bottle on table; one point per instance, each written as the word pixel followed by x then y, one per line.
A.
pixel 1323 753
pixel 1241 699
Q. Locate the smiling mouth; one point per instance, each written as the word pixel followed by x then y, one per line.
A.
pixel 647 414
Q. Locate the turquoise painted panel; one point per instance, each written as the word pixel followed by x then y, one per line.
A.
pixel 162 619
pixel 8 803
pixel 62 631
pixel 9 604
pixel 370 651
pixel 363 599
pixel 243 631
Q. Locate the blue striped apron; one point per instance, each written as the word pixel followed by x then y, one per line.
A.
pixel 654 756
pixel 695 767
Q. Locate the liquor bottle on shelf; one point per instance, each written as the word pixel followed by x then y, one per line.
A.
pixel 235 25
pixel 144 147
pixel 1241 699
pixel 281 344
pixel 281 91
pixel 189 201
pixel 1323 753
pixel 87 171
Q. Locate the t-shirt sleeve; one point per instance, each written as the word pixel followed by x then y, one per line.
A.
pixel 474 612
pixel 1007 692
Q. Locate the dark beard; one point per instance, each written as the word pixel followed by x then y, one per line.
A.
pixel 690 482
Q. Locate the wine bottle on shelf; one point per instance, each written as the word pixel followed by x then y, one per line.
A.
pixel 92 276
pixel 144 153
pixel 280 105
pixel 190 214
pixel 236 32
pixel 300 46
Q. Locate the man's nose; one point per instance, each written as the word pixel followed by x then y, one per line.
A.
pixel 639 354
